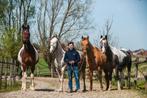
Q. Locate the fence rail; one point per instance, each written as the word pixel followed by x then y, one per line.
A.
pixel 8 72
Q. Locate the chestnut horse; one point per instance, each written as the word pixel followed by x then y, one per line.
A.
pixel 28 57
pixel 95 59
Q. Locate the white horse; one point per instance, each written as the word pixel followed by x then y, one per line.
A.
pixel 59 53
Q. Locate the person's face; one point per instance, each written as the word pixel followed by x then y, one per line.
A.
pixel 71 46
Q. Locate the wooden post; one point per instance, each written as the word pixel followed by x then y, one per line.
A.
pixel 136 70
pixel 10 72
pixel 14 72
pixel 1 72
pixel 6 68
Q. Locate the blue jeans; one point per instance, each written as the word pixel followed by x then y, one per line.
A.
pixel 73 69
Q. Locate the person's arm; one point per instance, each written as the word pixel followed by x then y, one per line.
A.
pixel 77 58
pixel 66 58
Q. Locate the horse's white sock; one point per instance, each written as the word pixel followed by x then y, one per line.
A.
pixel 118 84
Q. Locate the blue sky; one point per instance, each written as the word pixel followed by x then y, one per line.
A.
pixel 129 21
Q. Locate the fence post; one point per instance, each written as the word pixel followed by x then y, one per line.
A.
pixel 5 75
pixel 11 72
pixel 1 72
pixel 14 71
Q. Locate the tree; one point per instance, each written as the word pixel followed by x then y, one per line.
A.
pixel 106 30
pixel 62 17
pixel 13 13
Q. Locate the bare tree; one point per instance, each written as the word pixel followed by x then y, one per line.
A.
pixel 106 30
pixel 62 17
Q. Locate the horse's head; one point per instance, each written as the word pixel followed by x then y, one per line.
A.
pixel 25 33
pixel 85 44
pixel 103 43
pixel 53 43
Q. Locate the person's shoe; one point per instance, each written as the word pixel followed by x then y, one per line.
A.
pixel 70 91
pixel 77 90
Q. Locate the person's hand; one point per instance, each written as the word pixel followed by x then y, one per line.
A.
pixel 71 62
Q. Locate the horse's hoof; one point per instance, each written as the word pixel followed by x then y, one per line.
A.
pixel 32 88
pixel 23 89
pixel 119 89
pixel 90 90
pixel 101 88
pixel 109 89
pixel 84 90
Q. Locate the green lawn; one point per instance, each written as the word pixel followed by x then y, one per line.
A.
pixel 15 87
pixel 42 68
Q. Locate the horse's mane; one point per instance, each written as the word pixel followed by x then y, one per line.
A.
pixel 109 54
pixel 63 46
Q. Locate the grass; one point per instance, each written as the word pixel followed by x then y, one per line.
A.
pixel 42 68
pixel 140 88
pixel 15 87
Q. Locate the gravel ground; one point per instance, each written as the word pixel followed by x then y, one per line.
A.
pixel 47 88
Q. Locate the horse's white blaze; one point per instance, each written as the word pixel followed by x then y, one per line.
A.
pixel 103 49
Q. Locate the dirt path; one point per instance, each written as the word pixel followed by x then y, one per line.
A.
pixel 46 88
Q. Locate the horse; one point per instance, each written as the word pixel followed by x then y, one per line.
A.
pixel 60 66
pixel 28 57
pixel 95 59
pixel 118 59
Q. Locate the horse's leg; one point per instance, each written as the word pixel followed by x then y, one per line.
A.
pixel 106 79
pixel 90 78
pixel 24 76
pixel 118 79
pixel 121 79
pixel 62 78
pixel 100 78
pixel 129 80
pixel 32 86
pixel 136 74
pixel 110 79
pixel 129 76
pixel 83 76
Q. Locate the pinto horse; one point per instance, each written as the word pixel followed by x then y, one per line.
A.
pixel 28 57
pixel 95 59
pixel 118 59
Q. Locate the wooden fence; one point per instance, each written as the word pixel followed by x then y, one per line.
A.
pixel 8 72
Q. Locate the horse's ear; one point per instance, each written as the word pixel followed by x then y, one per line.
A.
pixel 87 37
pixel 101 36
pixel 23 26
pixel 28 27
pixel 106 37
pixel 82 37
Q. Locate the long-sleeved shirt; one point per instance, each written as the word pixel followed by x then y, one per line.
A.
pixel 72 55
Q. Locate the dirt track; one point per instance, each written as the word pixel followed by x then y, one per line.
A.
pixel 46 88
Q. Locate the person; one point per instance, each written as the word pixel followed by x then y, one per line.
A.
pixel 72 58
